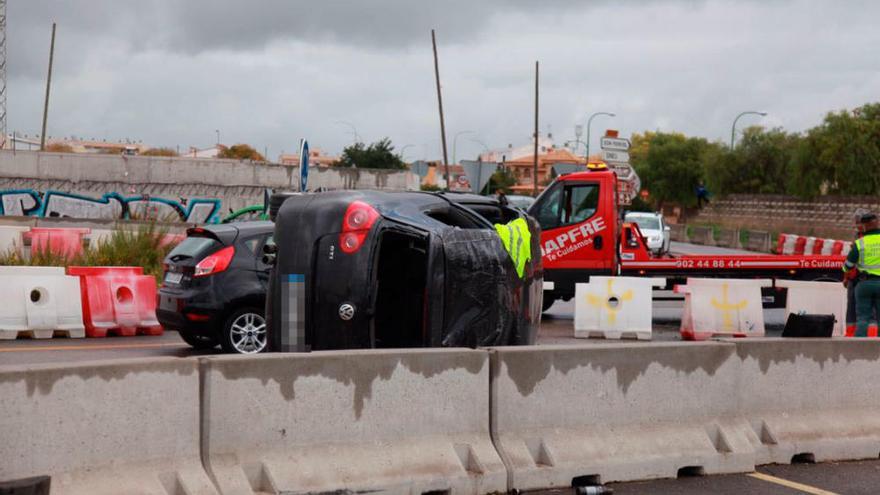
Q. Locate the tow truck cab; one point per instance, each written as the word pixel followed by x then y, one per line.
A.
pixel 580 226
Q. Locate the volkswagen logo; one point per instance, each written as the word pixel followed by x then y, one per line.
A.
pixel 346 311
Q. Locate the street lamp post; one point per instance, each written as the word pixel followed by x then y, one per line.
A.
pixel 218 137
pixel 589 123
pixel 733 127
pixel 354 131
pixel 402 150
pixel 455 141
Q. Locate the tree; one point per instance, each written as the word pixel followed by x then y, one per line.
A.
pixel 840 156
pixel 760 164
pixel 159 152
pixel 377 155
pixel 240 152
pixel 672 167
pixel 501 179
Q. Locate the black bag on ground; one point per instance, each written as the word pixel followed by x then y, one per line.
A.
pixel 808 326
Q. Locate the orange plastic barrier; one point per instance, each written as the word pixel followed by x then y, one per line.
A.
pixel 119 300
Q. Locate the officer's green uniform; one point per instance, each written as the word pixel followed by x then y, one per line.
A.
pixel 865 256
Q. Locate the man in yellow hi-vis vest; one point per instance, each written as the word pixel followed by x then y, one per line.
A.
pixel 865 258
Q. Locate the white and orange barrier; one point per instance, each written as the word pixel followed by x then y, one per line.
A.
pixel 799 244
pixel 816 298
pixel 722 308
pixel 39 302
pixel 615 307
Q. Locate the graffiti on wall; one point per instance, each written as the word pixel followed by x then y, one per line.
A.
pixel 28 202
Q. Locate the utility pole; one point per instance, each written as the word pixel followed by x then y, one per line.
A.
pixel 48 85
pixel 3 76
pixel 440 105
pixel 535 163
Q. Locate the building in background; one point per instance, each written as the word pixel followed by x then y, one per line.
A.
pixel 317 158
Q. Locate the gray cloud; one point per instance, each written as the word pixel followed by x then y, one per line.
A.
pixel 270 72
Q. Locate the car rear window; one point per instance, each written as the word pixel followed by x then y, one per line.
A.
pixel 194 247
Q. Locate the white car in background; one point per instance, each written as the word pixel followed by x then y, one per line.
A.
pixel 653 227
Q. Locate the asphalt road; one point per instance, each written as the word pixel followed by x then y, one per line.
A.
pixel 843 478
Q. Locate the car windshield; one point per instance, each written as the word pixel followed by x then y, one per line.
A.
pixel 193 247
pixel 645 223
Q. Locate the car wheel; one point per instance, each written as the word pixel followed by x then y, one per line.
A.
pixel 197 341
pixel 245 332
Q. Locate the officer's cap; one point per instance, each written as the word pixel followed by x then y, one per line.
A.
pixel 868 217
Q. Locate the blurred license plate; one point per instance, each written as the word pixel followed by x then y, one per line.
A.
pixel 173 278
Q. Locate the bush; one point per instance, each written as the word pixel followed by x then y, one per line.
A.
pixel 144 247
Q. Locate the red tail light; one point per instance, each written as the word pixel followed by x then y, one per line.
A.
pixel 356 224
pixel 215 263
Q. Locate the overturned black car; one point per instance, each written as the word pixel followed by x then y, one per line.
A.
pixel 369 269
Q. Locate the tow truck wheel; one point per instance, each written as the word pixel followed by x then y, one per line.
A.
pixel 548 301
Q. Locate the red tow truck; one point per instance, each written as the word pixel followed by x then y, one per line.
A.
pixel 583 234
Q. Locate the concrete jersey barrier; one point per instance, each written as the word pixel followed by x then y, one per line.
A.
pixel 616 412
pixel 813 398
pixel 408 421
pixel 104 427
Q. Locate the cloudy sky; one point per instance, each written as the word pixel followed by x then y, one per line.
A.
pixel 268 72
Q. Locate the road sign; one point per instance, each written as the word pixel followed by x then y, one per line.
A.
pixel 478 173
pixel 303 164
pixel 610 143
pixel 615 156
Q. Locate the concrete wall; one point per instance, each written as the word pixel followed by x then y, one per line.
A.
pixel 408 421
pixel 830 216
pixel 237 183
pixel 104 428
pixel 466 421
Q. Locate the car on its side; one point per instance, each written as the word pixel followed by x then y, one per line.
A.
pixel 653 228
pixel 371 269
pixel 214 287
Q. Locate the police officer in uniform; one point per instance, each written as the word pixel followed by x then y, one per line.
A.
pixel 865 258
pixel 852 280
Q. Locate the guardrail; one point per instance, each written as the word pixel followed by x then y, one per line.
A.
pixel 452 421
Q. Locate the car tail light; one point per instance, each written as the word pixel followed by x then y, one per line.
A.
pixel 356 224
pixel 215 263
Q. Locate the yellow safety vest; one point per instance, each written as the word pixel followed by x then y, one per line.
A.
pixel 517 242
pixel 869 254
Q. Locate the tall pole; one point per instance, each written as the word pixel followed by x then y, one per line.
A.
pixel 733 127
pixel 440 105
pixel 535 159
pixel 48 85
pixel 589 123
pixel 3 77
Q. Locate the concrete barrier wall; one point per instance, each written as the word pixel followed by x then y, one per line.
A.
pixel 728 238
pixel 701 235
pixel 409 421
pixel 811 396
pixel 616 412
pixel 104 428
pixel 237 183
pixel 462 421
pixel 758 240
pixel 678 232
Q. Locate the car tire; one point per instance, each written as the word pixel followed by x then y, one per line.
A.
pixel 197 341
pixel 245 332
